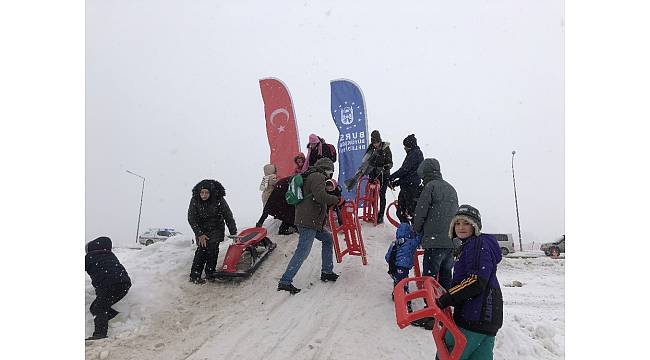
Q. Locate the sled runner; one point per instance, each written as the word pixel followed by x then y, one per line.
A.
pixel 443 320
pixel 351 230
pixel 370 199
pixel 247 251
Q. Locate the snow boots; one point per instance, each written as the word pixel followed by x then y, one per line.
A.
pixel 328 277
pixel 426 323
pixel 288 287
pixel 197 281
pixel 96 337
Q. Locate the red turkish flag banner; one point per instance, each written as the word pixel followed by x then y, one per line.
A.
pixel 281 128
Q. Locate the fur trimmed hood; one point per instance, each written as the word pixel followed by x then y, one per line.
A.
pixel 469 214
pixel 214 187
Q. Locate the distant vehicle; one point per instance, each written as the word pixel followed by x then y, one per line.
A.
pixel 554 248
pixel 506 243
pixel 157 234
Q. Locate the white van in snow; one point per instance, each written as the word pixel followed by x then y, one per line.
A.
pixel 506 243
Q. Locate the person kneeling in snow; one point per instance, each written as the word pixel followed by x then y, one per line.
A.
pixel 401 251
pixel 475 293
pixel 110 280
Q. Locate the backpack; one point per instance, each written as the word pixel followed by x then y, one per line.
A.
pixel 332 149
pixel 294 194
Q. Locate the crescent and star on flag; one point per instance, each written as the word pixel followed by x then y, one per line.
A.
pixel 275 112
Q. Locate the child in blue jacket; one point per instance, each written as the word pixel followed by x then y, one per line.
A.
pixel 400 253
pixel 475 293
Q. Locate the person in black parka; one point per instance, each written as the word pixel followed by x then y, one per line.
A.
pixel 408 180
pixel 207 213
pixel 278 207
pixel 110 280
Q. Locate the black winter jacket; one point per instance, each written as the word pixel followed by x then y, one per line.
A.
pixel 208 217
pixel 407 175
pixel 380 160
pixel 277 205
pixel 102 265
pixel 315 156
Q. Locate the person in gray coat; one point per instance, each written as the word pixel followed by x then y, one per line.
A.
pixel 436 207
pixel 310 218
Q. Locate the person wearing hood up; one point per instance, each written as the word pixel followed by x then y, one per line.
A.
pixel 406 177
pixel 435 208
pixel 299 160
pixel 268 181
pixel 311 213
pixel 110 280
pixel 475 293
pixel 317 149
pixel 376 163
pixel 206 214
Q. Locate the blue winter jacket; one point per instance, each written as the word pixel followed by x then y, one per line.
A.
pixel 407 241
pixel 475 292
pixel 407 174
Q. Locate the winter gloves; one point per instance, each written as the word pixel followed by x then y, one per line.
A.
pixel 337 191
pixel 443 301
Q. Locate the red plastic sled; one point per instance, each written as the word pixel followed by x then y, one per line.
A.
pixel 351 230
pixel 370 200
pixel 390 218
pixel 252 242
pixel 443 320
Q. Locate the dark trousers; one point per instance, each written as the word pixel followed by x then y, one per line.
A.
pixel 101 307
pixel 406 201
pixel 205 257
pixel 382 198
pixel 438 262
pixel 399 275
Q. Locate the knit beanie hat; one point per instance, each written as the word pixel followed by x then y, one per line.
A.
pixel 325 164
pixel 375 137
pixel 469 214
pixel 410 141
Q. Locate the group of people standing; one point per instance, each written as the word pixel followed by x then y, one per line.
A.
pixel 427 209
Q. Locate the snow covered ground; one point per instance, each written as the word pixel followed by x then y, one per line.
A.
pixel 166 317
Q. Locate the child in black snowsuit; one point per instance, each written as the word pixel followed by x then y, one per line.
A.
pixel 207 213
pixel 110 280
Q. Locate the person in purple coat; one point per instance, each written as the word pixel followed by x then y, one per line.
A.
pixel 475 293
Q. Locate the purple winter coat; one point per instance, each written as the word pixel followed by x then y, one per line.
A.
pixel 475 292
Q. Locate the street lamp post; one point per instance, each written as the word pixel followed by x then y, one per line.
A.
pixel 516 205
pixel 137 231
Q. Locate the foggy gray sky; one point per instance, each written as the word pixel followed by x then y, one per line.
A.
pixel 172 94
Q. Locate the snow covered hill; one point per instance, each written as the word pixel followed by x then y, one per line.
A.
pixel 166 317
